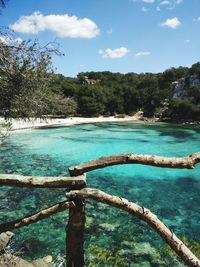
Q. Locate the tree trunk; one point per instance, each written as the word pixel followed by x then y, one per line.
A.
pixel 75 234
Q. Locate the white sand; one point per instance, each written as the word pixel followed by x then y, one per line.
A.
pixel 18 124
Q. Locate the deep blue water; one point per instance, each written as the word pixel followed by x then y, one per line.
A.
pixel 172 194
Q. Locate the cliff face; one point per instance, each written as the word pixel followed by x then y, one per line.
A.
pixel 183 85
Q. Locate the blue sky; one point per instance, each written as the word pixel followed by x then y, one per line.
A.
pixel 115 35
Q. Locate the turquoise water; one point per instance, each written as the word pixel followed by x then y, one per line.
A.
pixel 172 194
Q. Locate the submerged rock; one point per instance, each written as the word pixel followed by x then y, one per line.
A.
pixel 109 227
pixel 32 247
pixel 89 221
pixel 144 248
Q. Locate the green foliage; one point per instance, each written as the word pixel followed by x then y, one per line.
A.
pixel 59 105
pixel 89 106
pixel 183 110
pixel 194 94
pixel 195 69
pixel 25 69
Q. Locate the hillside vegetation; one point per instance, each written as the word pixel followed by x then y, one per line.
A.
pixel 29 88
pixel 106 93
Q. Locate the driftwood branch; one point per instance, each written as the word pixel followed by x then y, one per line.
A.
pixel 187 162
pixel 144 214
pixel 43 214
pixel 50 182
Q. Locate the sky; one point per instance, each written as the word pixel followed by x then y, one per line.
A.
pixel 111 35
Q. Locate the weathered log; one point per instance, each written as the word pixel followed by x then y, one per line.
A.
pixel 187 162
pixel 144 214
pixel 43 214
pixel 49 182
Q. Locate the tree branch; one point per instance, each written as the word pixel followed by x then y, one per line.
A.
pixel 144 214
pixel 43 214
pixel 187 162
pixel 50 182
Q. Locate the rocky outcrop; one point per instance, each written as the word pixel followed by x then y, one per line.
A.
pixel 9 260
pixel 90 81
pixel 183 85
pixel 5 239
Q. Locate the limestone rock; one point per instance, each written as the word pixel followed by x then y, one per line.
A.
pixel 5 239
pixel 182 86
pixel 11 261
pixel 14 261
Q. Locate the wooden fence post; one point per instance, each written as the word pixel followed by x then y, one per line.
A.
pixel 75 233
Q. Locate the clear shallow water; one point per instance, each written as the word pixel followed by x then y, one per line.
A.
pixel 172 194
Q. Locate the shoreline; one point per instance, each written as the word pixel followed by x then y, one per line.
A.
pixel 20 124
pixel 45 123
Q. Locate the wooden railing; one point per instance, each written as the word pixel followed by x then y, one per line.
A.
pixel 77 192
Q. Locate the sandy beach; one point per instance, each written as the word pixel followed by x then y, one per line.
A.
pixel 19 124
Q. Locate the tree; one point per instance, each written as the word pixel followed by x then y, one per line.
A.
pixel 195 69
pixel 194 93
pixel 89 106
pixel 62 106
pixel 25 69
pixel 183 110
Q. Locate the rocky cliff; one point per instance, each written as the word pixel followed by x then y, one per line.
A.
pixel 183 85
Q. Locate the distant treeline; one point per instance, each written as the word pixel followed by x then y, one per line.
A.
pixel 107 93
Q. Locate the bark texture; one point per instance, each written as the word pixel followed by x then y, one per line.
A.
pixel 75 234
pixel 43 214
pixel 77 182
pixel 144 214
pixel 187 162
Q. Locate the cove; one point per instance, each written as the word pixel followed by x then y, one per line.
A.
pixel 171 194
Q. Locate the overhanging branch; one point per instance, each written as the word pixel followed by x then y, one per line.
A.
pixel 43 214
pixel 144 214
pixel 187 162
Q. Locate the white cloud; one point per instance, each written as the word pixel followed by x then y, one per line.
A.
pixel 169 4
pixel 164 3
pixel 144 9
pixel 114 53
pixel 188 41
pixel 173 23
pixel 142 54
pixel 148 1
pixel 62 25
